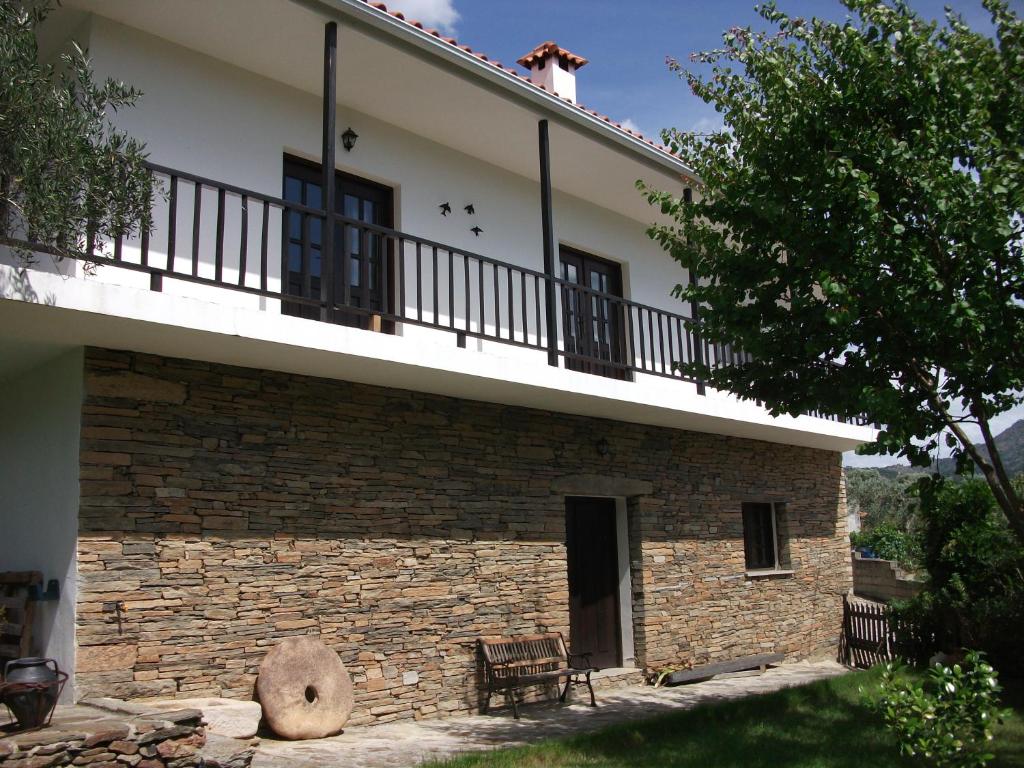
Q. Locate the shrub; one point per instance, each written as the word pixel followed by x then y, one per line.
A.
pixel 890 542
pixel 975 566
pixel 948 721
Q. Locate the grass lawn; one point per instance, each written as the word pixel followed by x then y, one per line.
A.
pixel 825 724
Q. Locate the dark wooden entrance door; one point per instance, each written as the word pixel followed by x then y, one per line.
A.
pixel 593 323
pixel 364 249
pixel 593 579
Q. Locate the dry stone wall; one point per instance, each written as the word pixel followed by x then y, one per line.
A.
pixel 171 740
pixel 225 508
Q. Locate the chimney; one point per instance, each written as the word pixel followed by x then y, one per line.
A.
pixel 554 68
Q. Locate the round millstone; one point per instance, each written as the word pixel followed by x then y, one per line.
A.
pixel 304 689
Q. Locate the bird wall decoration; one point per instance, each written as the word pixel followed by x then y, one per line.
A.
pixel 446 208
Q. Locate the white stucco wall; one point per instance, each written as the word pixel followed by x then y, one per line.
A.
pixel 40 417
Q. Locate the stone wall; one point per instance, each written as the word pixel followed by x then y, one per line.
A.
pixel 224 508
pixel 171 740
pixel 882 580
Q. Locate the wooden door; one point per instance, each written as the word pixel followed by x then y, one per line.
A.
pixel 359 254
pixel 592 323
pixel 592 555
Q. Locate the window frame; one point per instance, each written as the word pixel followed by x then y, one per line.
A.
pixel 777 567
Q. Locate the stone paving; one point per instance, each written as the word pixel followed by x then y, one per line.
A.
pixel 406 744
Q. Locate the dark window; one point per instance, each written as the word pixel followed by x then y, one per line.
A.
pixel 592 320
pixel 760 539
pixel 363 249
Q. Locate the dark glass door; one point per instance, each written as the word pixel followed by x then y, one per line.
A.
pixel 362 256
pixel 592 556
pixel 592 324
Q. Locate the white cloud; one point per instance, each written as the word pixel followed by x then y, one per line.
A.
pixel 706 125
pixel 432 13
pixel 630 125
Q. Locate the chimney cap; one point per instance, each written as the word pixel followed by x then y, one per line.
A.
pixel 549 49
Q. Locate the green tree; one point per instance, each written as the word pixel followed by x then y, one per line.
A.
pixel 858 226
pixel 975 588
pixel 67 176
pixel 881 500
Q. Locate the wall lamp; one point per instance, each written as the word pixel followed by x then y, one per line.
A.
pixel 348 139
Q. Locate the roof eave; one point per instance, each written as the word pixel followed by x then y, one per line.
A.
pixel 384 26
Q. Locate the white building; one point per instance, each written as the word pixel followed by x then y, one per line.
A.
pixel 449 282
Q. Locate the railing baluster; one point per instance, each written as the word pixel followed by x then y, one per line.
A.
pixel 511 305
pixel 434 258
pixel 145 246
pixel 451 289
pixel 307 257
pixel 346 263
pixel 482 330
pixel 650 335
pixel 536 298
pixel 419 283
pixel 497 303
pixel 661 342
pixel 680 342
pixel 526 317
pixel 400 275
pixel 631 355
pixel 364 268
pixel 145 232
pixel 469 295
pixel 197 207
pixel 264 244
pixel 620 335
pixel 218 259
pixel 386 247
pixel 172 223
pixel 243 242
pixel 643 342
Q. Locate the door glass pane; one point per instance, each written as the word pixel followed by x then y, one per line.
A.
pixel 294 257
pixel 292 189
pixel 313 197
pixel 351 207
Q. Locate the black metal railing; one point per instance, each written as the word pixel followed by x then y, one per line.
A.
pixel 380 277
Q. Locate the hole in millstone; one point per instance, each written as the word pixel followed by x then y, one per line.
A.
pixel 311 694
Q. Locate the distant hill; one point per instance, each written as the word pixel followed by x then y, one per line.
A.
pixel 1010 443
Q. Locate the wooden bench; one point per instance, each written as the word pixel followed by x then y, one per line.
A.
pixel 517 662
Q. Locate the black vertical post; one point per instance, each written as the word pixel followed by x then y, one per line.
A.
pixel 327 165
pixel 698 341
pixel 548 234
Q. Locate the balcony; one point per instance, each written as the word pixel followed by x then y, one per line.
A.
pixel 218 236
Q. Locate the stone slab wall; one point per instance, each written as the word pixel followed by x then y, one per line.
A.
pixel 224 508
pixel 172 740
pixel 882 580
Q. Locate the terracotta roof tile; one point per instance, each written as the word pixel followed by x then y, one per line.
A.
pixel 549 47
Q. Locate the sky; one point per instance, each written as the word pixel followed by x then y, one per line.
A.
pixel 627 44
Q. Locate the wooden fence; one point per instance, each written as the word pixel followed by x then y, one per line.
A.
pixel 872 635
